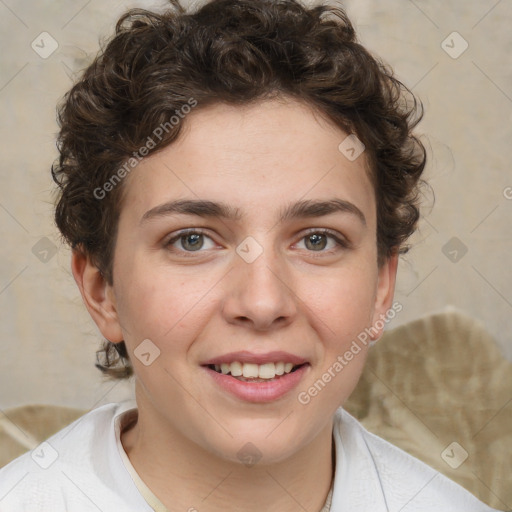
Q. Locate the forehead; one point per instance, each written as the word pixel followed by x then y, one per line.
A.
pixel 258 155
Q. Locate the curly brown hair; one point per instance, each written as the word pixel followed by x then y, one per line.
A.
pixel 233 51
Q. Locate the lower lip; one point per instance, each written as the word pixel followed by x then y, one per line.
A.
pixel 259 391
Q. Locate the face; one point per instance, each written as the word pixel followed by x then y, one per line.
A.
pixel 251 239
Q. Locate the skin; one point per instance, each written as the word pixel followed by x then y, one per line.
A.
pixel 196 305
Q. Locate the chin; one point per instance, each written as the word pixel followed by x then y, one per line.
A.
pixel 260 443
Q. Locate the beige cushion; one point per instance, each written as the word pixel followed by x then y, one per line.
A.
pixel 427 384
pixel 23 428
pixel 441 380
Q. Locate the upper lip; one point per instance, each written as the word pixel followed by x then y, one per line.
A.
pixel 249 357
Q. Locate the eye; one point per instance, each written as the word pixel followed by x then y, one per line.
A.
pixel 323 241
pixel 190 241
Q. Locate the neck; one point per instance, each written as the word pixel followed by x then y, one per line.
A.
pixel 184 476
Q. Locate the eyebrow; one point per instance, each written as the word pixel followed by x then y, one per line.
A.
pixel 300 209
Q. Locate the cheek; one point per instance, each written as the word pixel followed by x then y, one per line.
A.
pixel 343 302
pixel 341 309
pixel 157 304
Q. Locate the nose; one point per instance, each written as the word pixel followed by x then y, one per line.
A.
pixel 260 294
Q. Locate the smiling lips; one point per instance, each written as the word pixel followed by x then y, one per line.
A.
pixel 256 389
pixel 252 370
pixel 257 377
pixel 246 365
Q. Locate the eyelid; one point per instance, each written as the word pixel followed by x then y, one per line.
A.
pixel 339 239
pixel 174 237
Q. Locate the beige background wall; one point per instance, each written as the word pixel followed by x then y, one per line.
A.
pixel 48 341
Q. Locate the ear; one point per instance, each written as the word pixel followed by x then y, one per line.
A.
pixel 384 295
pixel 97 295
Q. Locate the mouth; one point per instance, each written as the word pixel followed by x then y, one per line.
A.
pixel 252 372
pixel 257 383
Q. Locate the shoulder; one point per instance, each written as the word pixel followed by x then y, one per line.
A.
pixel 72 470
pixel 402 481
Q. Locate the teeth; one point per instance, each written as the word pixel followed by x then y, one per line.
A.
pixel 252 370
pixel 267 371
pixel 235 369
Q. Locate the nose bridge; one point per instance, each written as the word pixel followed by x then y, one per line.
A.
pixel 262 274
pixel 259 291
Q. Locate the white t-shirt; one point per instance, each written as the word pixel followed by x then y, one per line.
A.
pixel 84 468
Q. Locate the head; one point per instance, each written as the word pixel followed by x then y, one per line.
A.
pixel 238 114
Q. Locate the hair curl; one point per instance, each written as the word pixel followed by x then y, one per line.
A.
pixel 234 51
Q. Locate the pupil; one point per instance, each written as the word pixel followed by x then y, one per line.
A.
pixel 193 242
pixel 317 241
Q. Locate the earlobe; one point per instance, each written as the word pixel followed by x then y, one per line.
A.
pixel 384 295
pixel 98 296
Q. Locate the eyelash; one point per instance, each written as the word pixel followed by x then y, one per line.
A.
pixel 340 242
